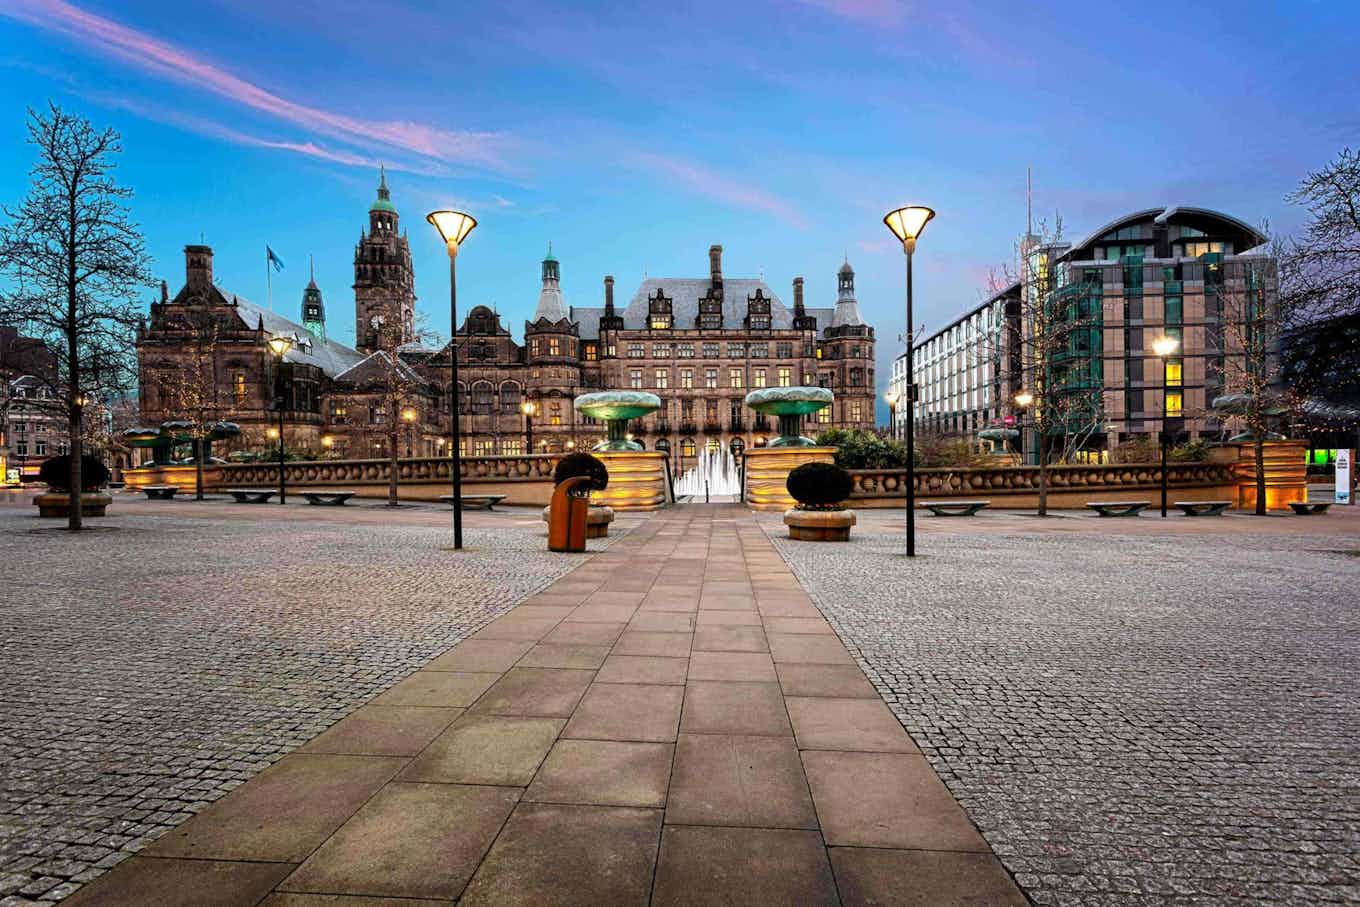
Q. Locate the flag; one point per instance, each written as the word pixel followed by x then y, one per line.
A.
pixel 273 259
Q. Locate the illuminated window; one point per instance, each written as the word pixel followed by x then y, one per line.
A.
pixel 687 447
pixel 856 410
pixel 819 352
pixel 735 378
pixel 611 350
pixel 482 447
pixel 592 352
pixel 535 346
pixel 785 376
pixel 687 377
pixel 710 377
pixel 663 377
pixel 555 413
pixel 554 346
pixel 660 322
pixel 238 382
pixel 824 416
pixel 1173 373
pixel 710 351
pixel 512 448
pixel 635 378
pixel 1173 403
pixel 758 378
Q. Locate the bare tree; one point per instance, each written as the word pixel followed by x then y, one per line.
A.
pixel 75 262
pixel 190 392
pixel 400 388
pixel 1047 343
pixel 1320 269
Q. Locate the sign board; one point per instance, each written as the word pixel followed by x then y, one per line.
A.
pixel 1345 462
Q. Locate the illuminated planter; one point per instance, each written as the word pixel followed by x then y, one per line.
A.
pixel 58 503
pixel 767 473
pixel 790 405
pixel 616 408
pixel 819 525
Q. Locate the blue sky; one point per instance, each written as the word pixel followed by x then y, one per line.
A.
pixel 634 135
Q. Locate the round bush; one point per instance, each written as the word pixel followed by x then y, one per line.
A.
pixel 582 464
pixel 56 472
pixel 819 486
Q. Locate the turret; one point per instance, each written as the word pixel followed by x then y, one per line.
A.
pixel 550 304
pixel 198 267
pixel 847 308
pixel 313 310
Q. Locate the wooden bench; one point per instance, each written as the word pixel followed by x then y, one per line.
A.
pixel 955 508
pixel 159 492
pixel 1203 508
pixel 327 498
pixel 251 495
pixel 475 501
pixel 1310 508
pixel 1119 508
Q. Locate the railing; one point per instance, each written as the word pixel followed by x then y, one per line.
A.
pixel 886 483
pixel 433 470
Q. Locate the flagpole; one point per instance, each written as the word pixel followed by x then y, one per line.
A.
pixel 268 279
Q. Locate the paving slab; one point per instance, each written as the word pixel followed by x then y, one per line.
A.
pixel 857 725
pixel 643 669
pixel 181 883
pixel 740 866
pixel 730 780
pixel 725 707
pixel 604 773
pixel 486 749
pixel 381 730
pixel 922 878
pixel 626 711
pixel 540 692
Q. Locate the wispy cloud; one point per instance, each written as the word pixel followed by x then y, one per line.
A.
pixel 151 55
pixel 726 189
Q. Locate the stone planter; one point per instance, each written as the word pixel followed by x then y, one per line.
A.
pixel 58 504
pixel 597 521
pixel 819 525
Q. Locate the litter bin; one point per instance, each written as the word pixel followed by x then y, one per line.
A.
pixel 567 515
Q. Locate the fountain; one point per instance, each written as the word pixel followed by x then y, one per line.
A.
pixel 790 404
pixel 616 408
pixel 715 474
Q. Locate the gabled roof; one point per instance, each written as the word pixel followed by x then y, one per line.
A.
pixel 685 293
pixel 373 368
pixel 331 357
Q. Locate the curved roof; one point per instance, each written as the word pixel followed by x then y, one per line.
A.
pixel 1181 212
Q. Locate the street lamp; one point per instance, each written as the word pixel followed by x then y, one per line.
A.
pixel 280 345
pixel 906 224
pixel 892 398
pixel 408 415
pixel 1023 401
pixel 1164 347
pixel 454 227
pixel 528 408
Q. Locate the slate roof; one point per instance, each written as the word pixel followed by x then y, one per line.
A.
pixel 685 293
pixel 373 368
pixel 331 357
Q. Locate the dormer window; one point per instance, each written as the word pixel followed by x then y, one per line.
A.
pixel 659 322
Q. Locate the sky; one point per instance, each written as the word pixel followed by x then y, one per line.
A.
pixel 634 135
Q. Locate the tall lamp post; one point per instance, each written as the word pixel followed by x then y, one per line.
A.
pixel 892 397
pixel 408 415
pixel 528 408
pixel 906 224
pixel 454 227
pixel 280 345
pixel 1164 347
pixel 1023 401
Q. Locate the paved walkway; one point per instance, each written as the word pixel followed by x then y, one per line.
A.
pixel 672 722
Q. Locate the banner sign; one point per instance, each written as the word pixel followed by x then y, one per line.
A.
pixel 1344 465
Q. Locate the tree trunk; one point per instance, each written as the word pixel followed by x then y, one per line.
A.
pixel 1043 477
pixel 392 469
pixel 74 514
pixel 198 469
pixel 1260 445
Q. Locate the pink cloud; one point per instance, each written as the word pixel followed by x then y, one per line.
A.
pixel 162 59
pixel 723 188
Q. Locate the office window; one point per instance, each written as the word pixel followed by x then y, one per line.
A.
pixel 661 351
pixel 758 377
pixel 1173 403
pixel 735 378
pixel 482 447
pixel 785 376
pixel 40 447
pixel 1173 372
pixel 736 350
pixel 687 377
pixel 635 351
pixel 684 350
pixel 710 377
pixel 710 351
pixel 635 378
pixel 663 377
pixel 760 351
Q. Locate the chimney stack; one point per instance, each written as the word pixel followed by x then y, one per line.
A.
pixel 798 296
pixel 609 295
pixel 715 264
pixel 198 266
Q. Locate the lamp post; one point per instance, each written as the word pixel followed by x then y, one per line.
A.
pixel 906 224
pixel 528 408
pixel 408 415
pixel 454 227
pixel 1023 401
pixel 280 345
pixel 892 398
pixel 1164 347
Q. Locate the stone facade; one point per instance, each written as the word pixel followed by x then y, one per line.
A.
pixel 699 343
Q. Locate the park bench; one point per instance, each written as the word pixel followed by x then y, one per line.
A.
pixel 159 492
pixel 251 495
pixel 1203 508
pixel 328 498
pixel 955 508
pixel 1310 508
pixel 1119 508
pixel 475 501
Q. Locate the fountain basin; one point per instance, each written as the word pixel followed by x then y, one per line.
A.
pixel 790 405
pixel 616 408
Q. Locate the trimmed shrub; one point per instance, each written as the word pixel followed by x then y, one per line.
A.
pixel 858 448
pixel 56 472
pixel 819 486
pixel 582 464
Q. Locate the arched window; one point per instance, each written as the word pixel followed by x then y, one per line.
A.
pixel 663 445
pixel 464 403
pixel 510 397
pixel 481 398
pixel 713 444
pixel 687 447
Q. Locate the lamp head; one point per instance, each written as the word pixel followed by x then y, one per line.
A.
pixel 528 408
pixel 1024 399
pixel 280 344
pixel 453 227
pixel 408 414
pixel 327 440
pixel 907 223
pixel 892 397
pixel 1165 346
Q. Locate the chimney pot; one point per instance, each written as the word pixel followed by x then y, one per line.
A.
pixel 715 263
pixel 609 292
pixel 798 294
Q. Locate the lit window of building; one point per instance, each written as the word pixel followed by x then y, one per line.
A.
pixel 710 377
pixel 663 378
pixel 735 378
pixel 785 376
pixel 687 378
pixel 758 377
pixel 635 378
pixel 636 351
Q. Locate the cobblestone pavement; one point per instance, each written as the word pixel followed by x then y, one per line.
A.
pixel 1131 715
pixel 152 666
